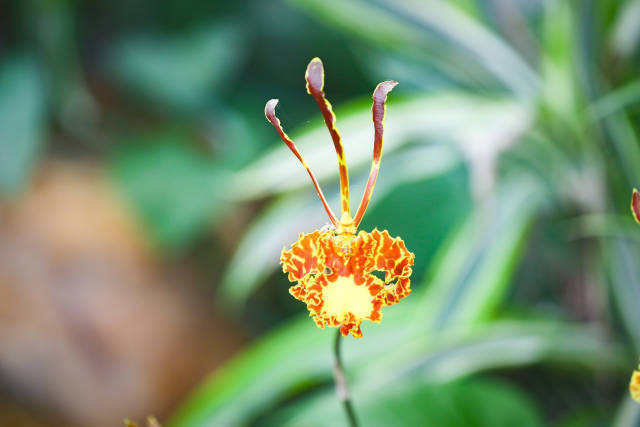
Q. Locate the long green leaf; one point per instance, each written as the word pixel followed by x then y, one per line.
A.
pixel 470 277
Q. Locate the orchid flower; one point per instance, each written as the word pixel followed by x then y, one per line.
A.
pixel 333 270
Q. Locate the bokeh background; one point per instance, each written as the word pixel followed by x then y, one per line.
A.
pixel 145 201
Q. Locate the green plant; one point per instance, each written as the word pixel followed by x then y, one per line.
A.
pixel 539 130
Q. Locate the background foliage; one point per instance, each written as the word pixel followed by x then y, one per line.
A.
pixel 511 148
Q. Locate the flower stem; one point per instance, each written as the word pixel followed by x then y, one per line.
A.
pixel 342 389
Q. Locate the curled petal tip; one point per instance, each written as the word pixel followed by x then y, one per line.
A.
pixel 635 205
pixel 315 76
pixel 270 108
pixel 383 89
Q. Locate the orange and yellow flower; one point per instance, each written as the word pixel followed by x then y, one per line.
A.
pixel 335 270
pixel 634 385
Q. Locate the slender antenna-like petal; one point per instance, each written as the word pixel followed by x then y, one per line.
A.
pixel 315 87
pixel 378 110
pixel 635 205
pixel 270 113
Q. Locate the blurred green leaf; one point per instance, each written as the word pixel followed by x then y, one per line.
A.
pixel 22 121
pixel 184 71
pixel 232 137
pixel 626 33
pixel 605 226
pixel 615 100
pixel 256 379
pixel 414 73
pixel 420 27
pixel 626 144
pixel 559 88
pixel 298 356
pixel 466 403
pixel 491 52
pixel 471 275
pixel 176 190
pixel 365 20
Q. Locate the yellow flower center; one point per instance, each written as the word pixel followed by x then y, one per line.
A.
pixel 344 296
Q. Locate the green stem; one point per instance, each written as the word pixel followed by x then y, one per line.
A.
pixel 342 389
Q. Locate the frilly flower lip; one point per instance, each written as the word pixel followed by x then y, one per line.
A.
pixel 335 276
pixel 335 270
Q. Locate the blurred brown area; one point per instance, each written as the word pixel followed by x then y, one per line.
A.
pixel 93 327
